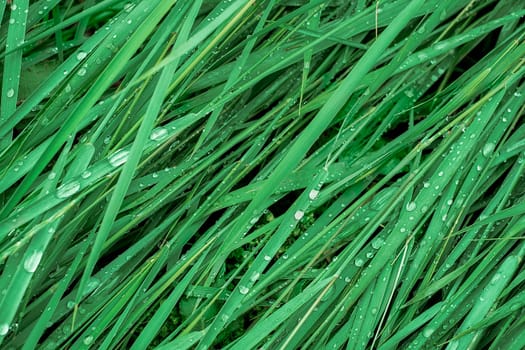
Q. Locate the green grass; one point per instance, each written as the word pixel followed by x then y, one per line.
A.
pixel 262 174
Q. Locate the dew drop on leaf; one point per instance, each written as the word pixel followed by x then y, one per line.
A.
pixel 427 332
pixel 158 134
pixel 313 194
pixel 88 340
pixel 299 215
pixel 488 148
pixel 378 243
pixel 68 189
pixel 118 158
pixel 255 276
pixel 81 55
pixel 32 261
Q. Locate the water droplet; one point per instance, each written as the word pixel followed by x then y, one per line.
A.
pixel 68 189
pixel 81 55
pixel 450 201
pixel 158 134
pixel 81 72
pixel 313 194
pixel 378 243
pixel 118 158
pixel 298 215
pixel 411 206
pixel 10 93
pixel 70 304
pixel 426 184
pixel 32 261
pixel 52 175
pixel 255 276
pixel 92 284
pixel 495 278
pixel 85 174
pixel 4 328
pixel 359 262
pixel 267 258
pixel 427 332
pixel 440 173
pixel 244 290
pixel 347 279
pixel 88 340
pixel 488 148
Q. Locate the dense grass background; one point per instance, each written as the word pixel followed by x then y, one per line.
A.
pixel 274 174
